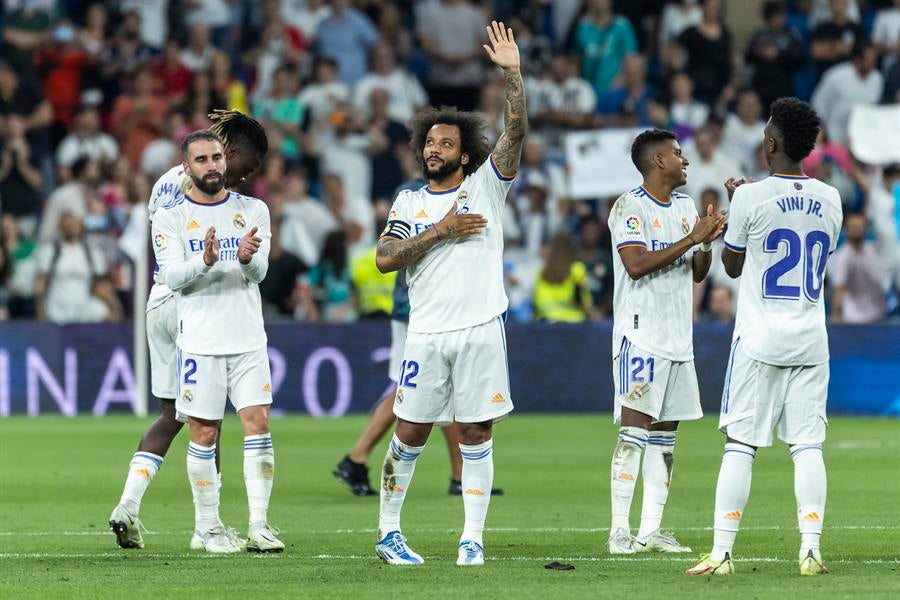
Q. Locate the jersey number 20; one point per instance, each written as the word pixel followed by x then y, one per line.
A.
pixel 813 264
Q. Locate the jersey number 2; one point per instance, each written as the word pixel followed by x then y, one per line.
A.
pixel 190 366
pixel 813 264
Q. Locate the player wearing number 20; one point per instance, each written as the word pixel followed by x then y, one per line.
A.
pixel 212 246
pixel 780 234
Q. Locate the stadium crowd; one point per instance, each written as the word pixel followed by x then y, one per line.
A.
pixel 95 98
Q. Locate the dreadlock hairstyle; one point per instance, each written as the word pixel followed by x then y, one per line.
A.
pixel 798 124
pixel 471 133
pixel 234 127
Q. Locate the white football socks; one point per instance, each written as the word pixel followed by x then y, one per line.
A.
pixel 626 463
pixel 259 474
pixel 201 468
pixel 810 486
pixel 732 491
pixel 657 474
pixel 396 475
pixel 477 482
pixel 141 469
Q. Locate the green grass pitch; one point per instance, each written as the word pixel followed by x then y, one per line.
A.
pixel 59 480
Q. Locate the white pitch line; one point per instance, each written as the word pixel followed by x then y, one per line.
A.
pixel 451 530
pixel 538 559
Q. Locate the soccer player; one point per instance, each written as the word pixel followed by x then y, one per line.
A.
pixel 449 237
pixel 781 232
pixel 245 146
pixel 655 232
pixel 353 469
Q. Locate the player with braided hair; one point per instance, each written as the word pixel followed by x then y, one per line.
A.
pixel 245 146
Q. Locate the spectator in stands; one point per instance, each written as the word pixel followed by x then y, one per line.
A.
pixel 306 221
pixel 595 251
pixel 93 36
pixel 603 40
pixel 26 26
pixel 710 165
pixel 281 113
pixel 330 279
pixel 73 284
pixel 406 94
pixel 688 114
pixel 280 43
pixel 126 53
pixel 561 293
pixel 88 140
pixel 844 86
pixel 214 15
pixel 153 18
pixel 228 87
pixel 676 17
pixel 388 142
pixel 882 209
pixel 19 250
pixel 775 52
pixel 708 47
pixel 834 40
pixel 20 173
pixel 198 54
pixel 347 37
pixel 744 129
pixel 721 304
pixel 322 96
pixel 21 97
pixel 71 198
pixel 139 118
pixel 625 105
pixel 560 100
pixel 170 69
pixel 373 290
pixel 393 32
pixel 857 275
pixel 354 214
pixel 886 34
pixel 451 32
pixel 277 289
pixel 62 64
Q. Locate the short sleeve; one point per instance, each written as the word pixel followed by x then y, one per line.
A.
pixel 399 224
pixel 626 224
pixel 738 222
pixel 496 182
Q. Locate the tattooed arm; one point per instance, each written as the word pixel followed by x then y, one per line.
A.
pixel 504 53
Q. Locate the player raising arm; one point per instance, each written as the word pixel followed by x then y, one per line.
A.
pixel 653 230
pixel 448 235
pixel 782 230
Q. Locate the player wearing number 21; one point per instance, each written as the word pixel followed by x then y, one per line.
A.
pixel 781 232
pixel 662 247
pixel 448 235
pixel 212 247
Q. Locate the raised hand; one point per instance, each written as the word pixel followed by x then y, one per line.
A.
pixel 733 184
pixel 211 247
pixel 502 50
pixel 249 246
pixel 709 227
pixel 459 225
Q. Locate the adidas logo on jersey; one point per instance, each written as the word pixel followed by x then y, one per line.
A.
pixel 267 387
pixel 498 398
pixel 422 214
pixel 193 225
pixel 657 224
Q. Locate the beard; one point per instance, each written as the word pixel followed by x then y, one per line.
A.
pixel 442 171
pixel 209 186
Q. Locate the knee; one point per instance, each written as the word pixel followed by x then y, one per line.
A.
pixel 412 434
pixel 203 433
pixel 255 420
pixel 664 426
pixel 472 434
pixel 169 415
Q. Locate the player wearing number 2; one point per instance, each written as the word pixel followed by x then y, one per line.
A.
pixel 212 247
pixel 454 362
pixel 655 231
pixel 781 231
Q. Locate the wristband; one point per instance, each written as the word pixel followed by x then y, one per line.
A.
pixel 705 247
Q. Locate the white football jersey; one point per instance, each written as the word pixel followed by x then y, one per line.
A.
pixel 219 307
pixel 787 226
pixel 655 312
pixel 170 184
pixel 458 283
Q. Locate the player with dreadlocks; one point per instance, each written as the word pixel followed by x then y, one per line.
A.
pixel 245 146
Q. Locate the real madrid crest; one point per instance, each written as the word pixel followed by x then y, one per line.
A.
pixel 187 396
pixel 461 197
pixel 399 398
pixel 239 221
pixel 684 226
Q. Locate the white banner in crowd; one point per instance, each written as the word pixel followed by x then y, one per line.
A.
pixel 875 134
pixel 599 162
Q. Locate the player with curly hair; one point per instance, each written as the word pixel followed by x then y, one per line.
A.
pixel 781 232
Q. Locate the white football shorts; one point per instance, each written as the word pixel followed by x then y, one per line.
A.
pixel 759 397
pixel 162 331
pixel 204 383
pixel 664 389
pixel 457 375
pixel 398 341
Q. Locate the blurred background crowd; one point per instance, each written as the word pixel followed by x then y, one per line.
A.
pixel 95 98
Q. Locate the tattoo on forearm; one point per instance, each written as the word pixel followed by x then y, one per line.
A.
pixel 508 150
pixel 406 251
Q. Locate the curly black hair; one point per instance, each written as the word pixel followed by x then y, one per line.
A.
pixel 471 134
pixel 234 127
pixel 799 126
pixel 644 140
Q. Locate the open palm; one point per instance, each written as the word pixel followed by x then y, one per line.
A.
pixel 502 50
